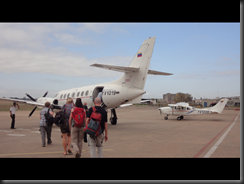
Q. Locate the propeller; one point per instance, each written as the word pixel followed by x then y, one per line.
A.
pixel 32 112
pixel 45 94
pixel 30 97
pixel 34 101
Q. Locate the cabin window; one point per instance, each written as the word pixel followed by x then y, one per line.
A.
pixel 61 96
pixel 68 95
pixel 73 95
pixel 64 96
pixel 78 94
pixel 188 108
pixel 87 92
pixel 82 93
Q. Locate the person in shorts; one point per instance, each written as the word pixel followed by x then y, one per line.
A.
pixel 65 130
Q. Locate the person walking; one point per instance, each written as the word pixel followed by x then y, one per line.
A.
pixel 44 128
pixel 12 114
pixel 77 121
pixel 65 129
pixel 98 141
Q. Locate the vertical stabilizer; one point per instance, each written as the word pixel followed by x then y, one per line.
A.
pixel 141 60
pixel 220 105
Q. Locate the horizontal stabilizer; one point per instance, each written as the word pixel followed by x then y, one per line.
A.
pixel 116 68
pixel 153 72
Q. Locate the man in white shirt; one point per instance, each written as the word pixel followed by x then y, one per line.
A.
pixel 12 114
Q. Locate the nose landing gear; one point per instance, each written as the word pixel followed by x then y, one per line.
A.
pixel 113 118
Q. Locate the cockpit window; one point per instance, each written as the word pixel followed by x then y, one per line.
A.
pixel 56 95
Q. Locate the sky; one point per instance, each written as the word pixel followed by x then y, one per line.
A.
pixel 38 57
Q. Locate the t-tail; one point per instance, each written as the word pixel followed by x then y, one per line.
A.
pixel 135 74
pixel 141 61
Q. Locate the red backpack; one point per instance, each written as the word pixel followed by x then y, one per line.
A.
pixel 93 127
pixel 78 116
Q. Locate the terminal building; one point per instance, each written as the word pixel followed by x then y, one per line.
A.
pixel 233 101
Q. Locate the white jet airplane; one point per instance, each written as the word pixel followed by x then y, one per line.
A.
pixel 124 91
pixel 183 109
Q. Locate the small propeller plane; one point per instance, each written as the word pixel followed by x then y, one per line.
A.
pixel 183 109
pixel 124 91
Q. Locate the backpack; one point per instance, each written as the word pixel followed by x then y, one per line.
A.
pixel 59 118
pixel 78 116
pixel 49 118
pixel 93 128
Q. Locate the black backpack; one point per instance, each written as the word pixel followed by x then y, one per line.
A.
pixel 59 118
pixel 49 118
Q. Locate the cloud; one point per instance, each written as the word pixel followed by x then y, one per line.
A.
pixel 55 62
pixel 226 61
pixel 41 48
pixel 226 73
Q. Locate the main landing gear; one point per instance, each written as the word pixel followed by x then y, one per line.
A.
pixel 113 118
pixel 180 118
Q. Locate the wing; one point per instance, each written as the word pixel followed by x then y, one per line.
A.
pixel 125 105
pixel 28 102
pixel 176 105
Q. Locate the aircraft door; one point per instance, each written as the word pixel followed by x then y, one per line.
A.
pixel 98 92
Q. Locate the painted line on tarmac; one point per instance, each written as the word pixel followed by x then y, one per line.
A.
pixel 44 152
pixel 205 147
pixel 5 130
pixel 212 150
pixel 16 134
pixel 22 129
pixel 38 132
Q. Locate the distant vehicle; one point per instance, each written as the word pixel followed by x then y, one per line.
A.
pixel 183 108
pixel 212 104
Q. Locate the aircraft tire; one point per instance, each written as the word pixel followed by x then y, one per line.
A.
pixel 113 120
pixel 179 118
pixel 182 117
pixel 165 117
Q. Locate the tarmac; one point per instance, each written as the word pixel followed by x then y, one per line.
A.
pixel 141 132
